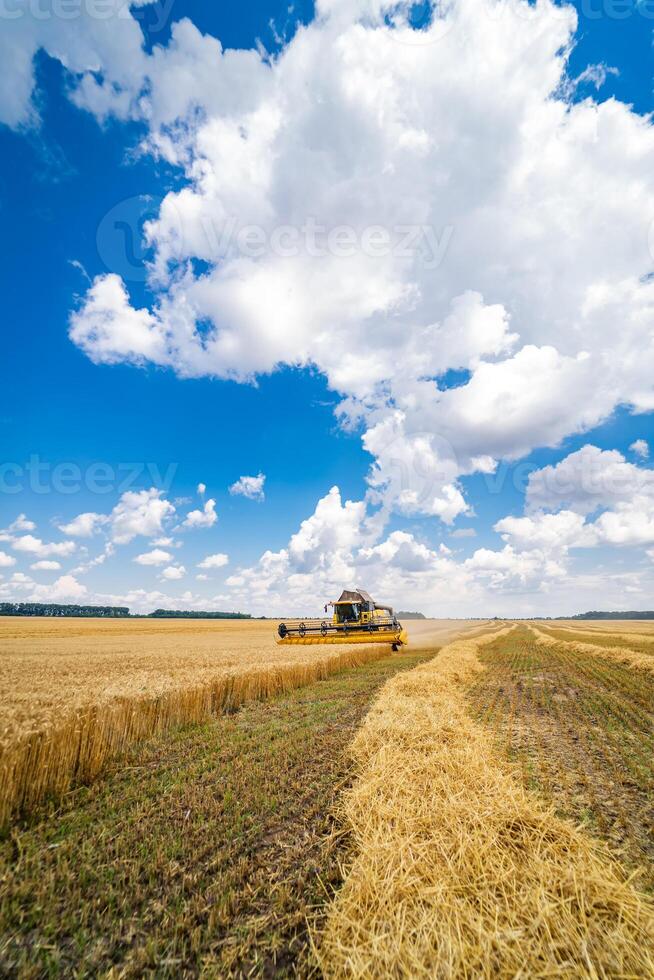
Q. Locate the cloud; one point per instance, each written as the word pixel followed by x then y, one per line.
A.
pixel 332 530
pixel 139 513
pixel 21 524
pixel 586 480
pixel 529 314
pixel 464 532
pixel 592 480
pixel 548 532
pixel 84 525
pixel 64 589
pixel 154 557
pixel 415 140
pixel 249 486
pixel 85 43
pixel 640 448
pixel 509 570
pixel 201 489
pixel 206 517
pixel 110 331
pixel 332 549
pixel 402 551
pixel 6 561
pixel 214 561
pixel 86 566
pixel 35 546
pixel 629 524
pixel 173 572
pixel 45 566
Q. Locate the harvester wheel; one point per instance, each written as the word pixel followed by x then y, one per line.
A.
pixel 282 630
pixel 302 629
pixel 395 648
pixel 323 629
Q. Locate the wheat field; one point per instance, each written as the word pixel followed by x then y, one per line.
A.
pixel 78 692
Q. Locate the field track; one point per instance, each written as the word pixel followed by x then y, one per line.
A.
pixel 457 868
pixel 77 693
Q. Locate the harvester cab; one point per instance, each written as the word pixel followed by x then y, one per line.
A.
pixel 356 618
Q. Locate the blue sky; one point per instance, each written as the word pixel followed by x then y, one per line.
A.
pixel 80 174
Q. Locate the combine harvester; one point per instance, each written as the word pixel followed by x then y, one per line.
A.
pixel 356 619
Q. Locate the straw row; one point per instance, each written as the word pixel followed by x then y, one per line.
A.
pixel 76 748
pixel 457 870
pixel 623 655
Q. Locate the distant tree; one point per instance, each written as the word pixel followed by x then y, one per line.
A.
pixel 57 609
pixel 60 610
pixel 632 614
pixel 195 614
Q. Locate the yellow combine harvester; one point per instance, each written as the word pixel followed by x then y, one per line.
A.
pixel 356 619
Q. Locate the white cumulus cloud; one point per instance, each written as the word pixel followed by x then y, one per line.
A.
pixel 434 147
pixel 35 546
pixel 155 557
pixel 173 572
pixel 84 525
pixel 214 561
pixel 65 589
pixel 139 513
pixel 206 517
pixel 249 486
pixel 640 448
pixel 22 523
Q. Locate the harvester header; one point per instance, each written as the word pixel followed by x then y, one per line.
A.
pixel 356 618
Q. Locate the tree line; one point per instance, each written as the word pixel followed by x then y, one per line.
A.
pixel 113 612
pixel 59 609
pixel 631 614
pixel 195 614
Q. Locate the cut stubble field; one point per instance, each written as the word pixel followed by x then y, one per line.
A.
pixel 580 728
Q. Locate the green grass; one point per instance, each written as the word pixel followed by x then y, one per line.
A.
pixel 208 852
pixel 580 730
